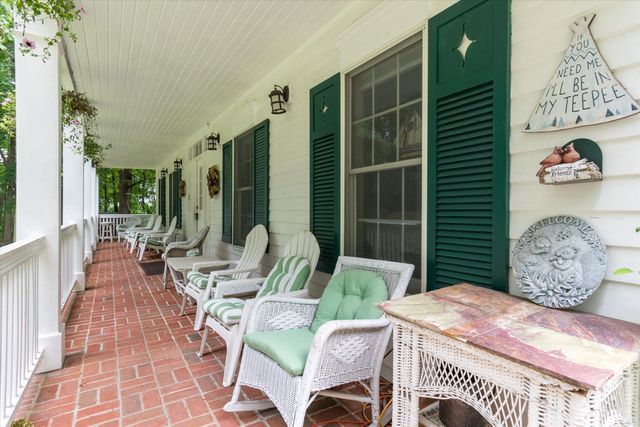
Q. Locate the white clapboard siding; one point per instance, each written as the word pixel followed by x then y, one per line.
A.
pixel 613 205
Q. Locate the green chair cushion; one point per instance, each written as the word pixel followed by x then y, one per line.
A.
pixel 154 242
pixel 228 310
pixel 351 294
pixel 201 279
pixel 193 252
pixel 289 274
pixel 288 348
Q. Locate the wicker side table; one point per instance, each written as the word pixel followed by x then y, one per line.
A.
pixel 434 358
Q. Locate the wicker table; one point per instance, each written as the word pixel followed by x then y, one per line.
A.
pixel 517 363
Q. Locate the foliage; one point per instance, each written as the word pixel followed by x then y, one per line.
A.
pixel 127 191
pixel 77 111
pixel 626 270
pixel 64 12
pixel 7 126
pixel 21 422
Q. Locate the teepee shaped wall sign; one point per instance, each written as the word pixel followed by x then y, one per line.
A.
pixel 583 90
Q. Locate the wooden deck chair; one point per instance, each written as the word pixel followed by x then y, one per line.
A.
pixel 228 316
pixel 131 230
pixel 132 238
pixel 190 247
pixel 157 241
pixel 200 286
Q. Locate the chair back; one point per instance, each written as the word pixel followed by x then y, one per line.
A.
pixel 304 244
pixel 157 223
pixel 172 226
pixel 150 221
pixel 396 275
pixel 254 248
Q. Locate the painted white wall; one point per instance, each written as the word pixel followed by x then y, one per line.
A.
pixel 540 35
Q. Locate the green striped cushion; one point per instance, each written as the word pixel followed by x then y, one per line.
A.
pixel 290 274
pixel 228 310
pixel 193 252
pixel 201 279
pixel 154 242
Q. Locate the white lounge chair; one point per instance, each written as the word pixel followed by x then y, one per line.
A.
pixel 228 316
pixel 157 241
pixel 135 235
pixel 190 247
pixel 200 286
pixel 131 230
pixel 296 349
pixel 131 222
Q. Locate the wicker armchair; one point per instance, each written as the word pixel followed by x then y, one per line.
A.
pixel 180 249
pixel 342 351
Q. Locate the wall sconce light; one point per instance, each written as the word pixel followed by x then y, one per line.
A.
pixel 213 141
pixel 279 97
pixel 164 173
pixel 177 164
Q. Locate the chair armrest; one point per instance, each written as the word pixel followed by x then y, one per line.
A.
pixel 235 287
pixel 348 350
pixel 278 313
pixel 197 266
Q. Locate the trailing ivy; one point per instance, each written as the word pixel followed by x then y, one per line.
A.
pixel 78 111
pixel 64 12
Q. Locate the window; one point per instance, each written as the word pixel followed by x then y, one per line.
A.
pixel 243 187
pixel 384 127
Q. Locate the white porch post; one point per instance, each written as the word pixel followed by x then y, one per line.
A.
pixel 73 200
pixel 94 208
pixel 38 178
pixel 88 203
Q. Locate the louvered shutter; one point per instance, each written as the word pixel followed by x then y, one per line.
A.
pixel 177 200
pixel 227 192
pixel 325 170
pixel 261 174
pixel 162 199
pixel 468 175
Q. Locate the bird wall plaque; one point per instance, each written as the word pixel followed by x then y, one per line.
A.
pixel 579 160
pixel 583 90
pixel 559 262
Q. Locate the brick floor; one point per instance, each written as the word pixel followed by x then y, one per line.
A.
pixel 131 360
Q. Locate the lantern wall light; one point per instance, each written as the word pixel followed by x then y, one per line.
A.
pixel 177 164
pixel 279 96
pixel 213 141
pixel 164 173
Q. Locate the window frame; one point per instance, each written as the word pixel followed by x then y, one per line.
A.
pixel 234 170
pixel 351 174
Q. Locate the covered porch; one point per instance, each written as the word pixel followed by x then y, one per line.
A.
pixel 393 131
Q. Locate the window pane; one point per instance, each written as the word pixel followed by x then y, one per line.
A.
pixel 391 194
pixel 412 193
pixel 411 73
pixel 390 242
pixel 361 144
pixel 385 139
pixel 361 94
pixel 366 238
pixel 367 196
pixel 385 75
pixel 411 131
pixel 243 188
pixel 412 247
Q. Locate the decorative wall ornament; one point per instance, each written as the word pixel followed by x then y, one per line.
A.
pixel 559 262
pixel 213 181
pixel 182 189
pixel 583 91
pixel 579 160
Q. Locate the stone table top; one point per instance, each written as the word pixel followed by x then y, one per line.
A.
pixel 582 349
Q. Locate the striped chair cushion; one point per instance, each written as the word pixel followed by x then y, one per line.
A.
pixel 154 242
pixel 290 274
pixel 228 310
pixel 201 279
pixel 193 252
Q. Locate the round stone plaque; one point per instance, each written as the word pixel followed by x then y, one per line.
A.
pixel 559 261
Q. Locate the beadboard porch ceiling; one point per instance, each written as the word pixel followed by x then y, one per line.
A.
pixel 158 70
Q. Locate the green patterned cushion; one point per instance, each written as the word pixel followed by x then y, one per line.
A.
pixel 154 242
pixel 193 252
pixel 288 348
pixel 228 310
pixel 290 274
pixel 201 279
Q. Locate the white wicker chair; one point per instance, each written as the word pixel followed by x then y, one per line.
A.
pixel 132 230
pixel 343 351
pixel 157 241
pixel 303 244
pixel 181 249
pixel 134 236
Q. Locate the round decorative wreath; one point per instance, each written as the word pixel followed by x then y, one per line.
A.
pixel 183 188
pixel 213 181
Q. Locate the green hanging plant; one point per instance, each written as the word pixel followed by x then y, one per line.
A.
pixel 64 12
pixel 626 270
pixel 78 111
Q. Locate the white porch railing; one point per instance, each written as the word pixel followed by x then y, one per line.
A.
pixel 67 273
pixel 19 350
pixel 117 219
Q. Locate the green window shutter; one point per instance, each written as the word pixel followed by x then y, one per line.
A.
pixel 174 197
pixel 324 207
pixel 468 175
pixel 171 198
pixel 227 192
pixel 162 199
pixel 261 174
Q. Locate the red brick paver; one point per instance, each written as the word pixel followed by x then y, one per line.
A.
pixel 131 360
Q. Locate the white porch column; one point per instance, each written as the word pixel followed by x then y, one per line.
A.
pixel 94 208
pixel 38 178
pixel 73 200
pixel 88 203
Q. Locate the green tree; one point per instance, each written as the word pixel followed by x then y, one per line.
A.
pixel 127 191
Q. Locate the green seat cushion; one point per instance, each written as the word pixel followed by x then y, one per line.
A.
pixel 228 310
pixel 201 279
pixel 193 252
pixel 351 294
pixel 289 274
pixel 154 242
pixel 288 348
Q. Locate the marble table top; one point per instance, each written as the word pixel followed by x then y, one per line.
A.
pixel 582 349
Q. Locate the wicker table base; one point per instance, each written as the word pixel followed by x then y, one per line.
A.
pixel 429 364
